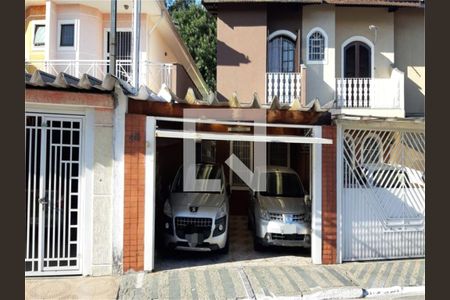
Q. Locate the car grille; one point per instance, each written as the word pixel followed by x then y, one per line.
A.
pixel 288 237
pixel 279 217
pixel 184 225
pixel 276 217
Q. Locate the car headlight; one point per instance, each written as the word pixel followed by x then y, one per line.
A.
pixel 167 208
pixel 222 211
pixel 264 214
pixel 221 225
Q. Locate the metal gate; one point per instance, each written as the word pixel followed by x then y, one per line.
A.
pixel 383 194
pixel 53 168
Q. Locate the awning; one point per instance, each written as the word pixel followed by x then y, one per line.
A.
pixel 230 136
pixel 198 135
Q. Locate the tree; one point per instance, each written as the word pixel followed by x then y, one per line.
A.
pixel 198 30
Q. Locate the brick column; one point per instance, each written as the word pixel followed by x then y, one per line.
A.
pixel 133 240
pixel 329 196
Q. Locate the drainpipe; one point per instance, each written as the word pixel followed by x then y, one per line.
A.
pixel 112 38
pixel 136 41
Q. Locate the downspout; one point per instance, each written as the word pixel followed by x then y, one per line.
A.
pixel 136 41
pixel 112 38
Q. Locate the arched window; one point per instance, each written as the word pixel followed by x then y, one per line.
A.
pixel 371 150
pixel 281 54
pixel 357 58
pixel 317 43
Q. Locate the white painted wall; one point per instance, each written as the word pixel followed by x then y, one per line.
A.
pixel 410 56
pixel 355 21
pixel 102 193
pixel 320 77
pixel 88 35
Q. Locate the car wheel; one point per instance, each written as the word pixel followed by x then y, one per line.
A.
pixel 257 245
pixel 225 249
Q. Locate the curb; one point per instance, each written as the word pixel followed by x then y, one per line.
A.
pixel 395 290
pixel 354 293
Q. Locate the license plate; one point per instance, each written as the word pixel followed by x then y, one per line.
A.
pixel 192 239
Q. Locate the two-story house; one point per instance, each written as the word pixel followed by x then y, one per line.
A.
pixel 366 58
pixel 73 37
pixel 366 55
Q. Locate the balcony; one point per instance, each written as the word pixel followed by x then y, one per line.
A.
pixel 382 97
pixel 286 86
pixel 151 74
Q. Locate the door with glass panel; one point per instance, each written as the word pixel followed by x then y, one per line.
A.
pixel 53 172
pixel 282 81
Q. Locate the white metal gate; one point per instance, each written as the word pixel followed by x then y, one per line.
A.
pixel 53 165
pixel 383 194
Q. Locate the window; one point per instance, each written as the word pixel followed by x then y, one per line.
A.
pixel 281 54
pixel 283 185
pixel 316 46
pixel 243 150
pixel 39 35
pixel 203 172
pixel 66 35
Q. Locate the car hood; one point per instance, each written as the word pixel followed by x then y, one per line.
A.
pixel 196 199
pixel 282 204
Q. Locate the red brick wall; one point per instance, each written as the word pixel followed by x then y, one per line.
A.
pixel 329 196
pixel 133 240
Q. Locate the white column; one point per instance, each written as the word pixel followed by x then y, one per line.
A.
pixel 339 187
pixel 149 210
pixel 316 226
pixel 48 28
pixel 119 186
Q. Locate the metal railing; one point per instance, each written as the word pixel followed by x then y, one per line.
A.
pixel 371 92
pixel 152 74
pixel 287 86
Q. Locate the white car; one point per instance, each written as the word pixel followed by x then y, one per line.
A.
pixel 280 216
pixel 197 221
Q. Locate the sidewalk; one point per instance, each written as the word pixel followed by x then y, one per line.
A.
pixel 389 279
pixel 101 288
pixel 347 281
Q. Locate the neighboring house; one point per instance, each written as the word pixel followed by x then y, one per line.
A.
pixel 366 55
pixel 74 38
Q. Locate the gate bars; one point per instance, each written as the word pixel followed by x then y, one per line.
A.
pixel 382 193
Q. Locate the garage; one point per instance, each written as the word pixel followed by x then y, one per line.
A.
pixel 213 140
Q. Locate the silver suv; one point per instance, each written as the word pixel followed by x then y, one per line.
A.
pixel 197 221
pixel 279 216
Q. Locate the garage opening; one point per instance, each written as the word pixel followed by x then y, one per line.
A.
pixel 383 191
pixel 286 159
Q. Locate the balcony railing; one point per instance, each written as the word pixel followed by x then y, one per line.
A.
pixel 287 86
pixel 150 73
pixel 371 92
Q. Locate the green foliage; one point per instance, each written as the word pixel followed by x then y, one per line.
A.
pixel 198 30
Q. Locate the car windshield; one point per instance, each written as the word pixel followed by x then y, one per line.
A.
pixel 202 171
pixel 283 185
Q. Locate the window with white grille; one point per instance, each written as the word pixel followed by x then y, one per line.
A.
pixel 316 46
pixel 243 150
